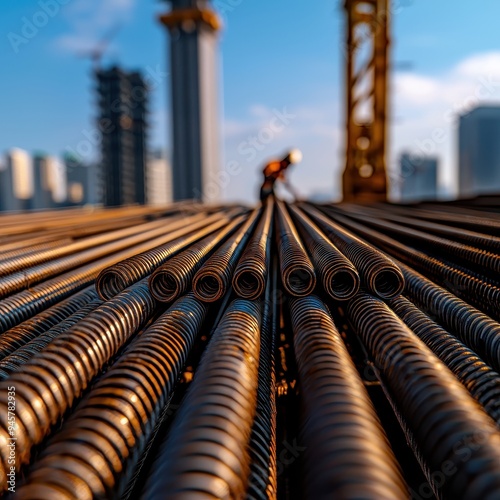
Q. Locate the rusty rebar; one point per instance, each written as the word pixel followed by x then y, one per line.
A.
pixel 379 274
pixel 297 271
pixel 249 279
pixel 338 275
pixel 174 278
pixel 436 406
pixel 213 280
pixel 206 451
pixel 347 451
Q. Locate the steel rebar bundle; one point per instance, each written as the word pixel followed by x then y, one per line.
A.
pixel 297 271
pixel 174 278
pixel 460 281
pixel 379 274
pixel 479 379
pixel 438 409
pixel 212 281
pixel 468 255
pixel 253 382
pixel 49 384
pixel 348 454
pixel 116 278
pixel 338 275
pixel 134 391
pixel 249 279
pixel 206 453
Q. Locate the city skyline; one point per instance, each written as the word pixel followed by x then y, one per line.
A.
pixel 263 116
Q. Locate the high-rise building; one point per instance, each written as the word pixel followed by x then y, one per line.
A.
pixel 45 178
pixel 418 178
pixel 479 151
pixel 123 98
pixel 193 66
pixel 8 200
pixel 159 179
pixel 81 182
pixel 16 181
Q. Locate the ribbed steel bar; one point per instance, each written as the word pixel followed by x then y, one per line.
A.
pixel 206 452
pixel 442 415
pixel 23 333
pixel 68 219
pixel 213 280
pixel 32 249
pixel 474 328
pixel 18 308
pixel 459 281
pixel 14 362
pixel 479 379
pixel 50 383
pixel 174 278
pixel 338 275
pixel 108 431
pixel 473 238
pixel 347 451
pixel 26 278
pixel 262 484
pixel 379 274
pixel 470 256
pixel 33 259
pixel 116 278
pixel 249 279
pixel 297 271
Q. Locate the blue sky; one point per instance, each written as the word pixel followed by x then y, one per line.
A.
pixel 278 58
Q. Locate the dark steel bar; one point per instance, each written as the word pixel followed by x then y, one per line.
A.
pixel 250 276
pixel 120 412
pixel 338 275
pixel 206 450
pixel 213 280
pixel 347 454
pixel 379 274
pixel 442 415
pixel 297 271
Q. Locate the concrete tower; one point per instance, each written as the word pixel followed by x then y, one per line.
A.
pixel 193 28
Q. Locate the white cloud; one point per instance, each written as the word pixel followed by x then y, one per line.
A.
pixel 90 20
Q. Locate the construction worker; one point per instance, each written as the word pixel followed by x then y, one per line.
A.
pixel 276 170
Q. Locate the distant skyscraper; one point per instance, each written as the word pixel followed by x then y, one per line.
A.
pixel 123 108
pixel 159 179
pixel 45 178
pixel 81 182
pixel 479 151
pixel 418 178
pixel 8 200
pixel 16 181
pixel 193 66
